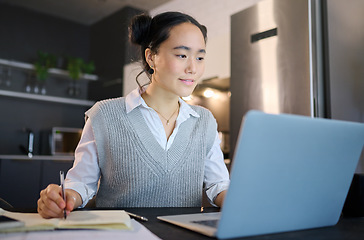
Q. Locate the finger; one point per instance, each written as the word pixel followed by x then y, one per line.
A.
pixel 71 201
pixel 54 194
pixel 48 212
pixel 45 201
pixel 51 203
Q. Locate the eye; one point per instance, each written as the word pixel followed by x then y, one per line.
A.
pixel 200 58
pixel 181 56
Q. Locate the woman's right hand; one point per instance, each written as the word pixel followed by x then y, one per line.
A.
pixel 52 205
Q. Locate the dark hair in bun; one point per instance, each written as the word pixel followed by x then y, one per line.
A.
pixel 139 29
pixel 151 32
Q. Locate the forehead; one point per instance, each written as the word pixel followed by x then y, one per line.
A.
pixel 185 34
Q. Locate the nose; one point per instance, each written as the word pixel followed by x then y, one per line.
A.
pixel 191 67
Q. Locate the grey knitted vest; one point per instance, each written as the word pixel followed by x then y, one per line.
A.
pixel 136 171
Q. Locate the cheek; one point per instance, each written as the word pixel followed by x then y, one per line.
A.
pixel 171 67
pixel 201 69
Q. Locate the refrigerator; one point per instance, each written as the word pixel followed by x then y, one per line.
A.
pixel 302 57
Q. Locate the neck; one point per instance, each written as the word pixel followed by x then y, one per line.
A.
pixel 164 102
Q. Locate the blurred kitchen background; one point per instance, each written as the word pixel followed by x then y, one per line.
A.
pixel 279 56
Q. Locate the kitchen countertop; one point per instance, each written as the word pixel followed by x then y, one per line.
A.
pixel 39 157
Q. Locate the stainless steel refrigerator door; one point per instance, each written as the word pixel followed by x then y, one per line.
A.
pixel 345 22
pixel 270 60
pixel 345 27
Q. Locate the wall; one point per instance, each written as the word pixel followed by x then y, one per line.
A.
pixel 111 50
pixel 23 33
pixel 105 43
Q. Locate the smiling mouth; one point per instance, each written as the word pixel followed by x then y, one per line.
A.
pixel 187 81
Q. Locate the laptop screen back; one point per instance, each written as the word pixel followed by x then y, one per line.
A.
pixel 289 173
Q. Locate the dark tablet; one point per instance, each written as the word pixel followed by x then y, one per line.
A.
pixel 7 222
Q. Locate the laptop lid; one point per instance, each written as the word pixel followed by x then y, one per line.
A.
pixel 289 173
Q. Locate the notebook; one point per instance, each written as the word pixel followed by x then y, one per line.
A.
pixel 89 219
pixel 289 173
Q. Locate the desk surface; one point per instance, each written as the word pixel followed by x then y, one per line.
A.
pixel 347 228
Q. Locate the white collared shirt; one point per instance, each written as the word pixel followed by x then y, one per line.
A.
pixel 83 177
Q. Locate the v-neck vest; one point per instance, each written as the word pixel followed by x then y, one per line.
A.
pixel 136 171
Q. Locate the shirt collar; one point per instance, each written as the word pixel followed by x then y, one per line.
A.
pixel 134 100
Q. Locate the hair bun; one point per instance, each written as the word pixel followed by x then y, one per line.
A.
pixel 139 29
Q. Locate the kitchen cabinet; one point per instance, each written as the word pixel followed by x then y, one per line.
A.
pixel 21 180
pixel 50 172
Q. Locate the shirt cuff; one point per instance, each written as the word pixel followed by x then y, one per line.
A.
pixel 81 189
pixel 214 190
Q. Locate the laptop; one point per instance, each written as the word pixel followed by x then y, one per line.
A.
pixel 289 173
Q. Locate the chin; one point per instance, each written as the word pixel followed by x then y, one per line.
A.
pixel 185 93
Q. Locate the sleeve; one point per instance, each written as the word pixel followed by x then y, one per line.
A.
pixel 216 175
pixel 83 177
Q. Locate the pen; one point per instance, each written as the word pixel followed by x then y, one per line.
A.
pixel 137 216
pixel 61 175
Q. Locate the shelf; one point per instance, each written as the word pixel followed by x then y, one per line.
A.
pixel 39 157
pixel 53 71
pixel 46 98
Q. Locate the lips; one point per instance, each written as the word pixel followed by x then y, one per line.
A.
pixel 187 81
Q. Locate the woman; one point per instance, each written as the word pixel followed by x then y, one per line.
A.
pixel 150 148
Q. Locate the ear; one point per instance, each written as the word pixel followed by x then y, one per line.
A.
pixel 149 56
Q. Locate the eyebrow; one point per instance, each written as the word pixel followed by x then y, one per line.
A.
pixel 188 49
